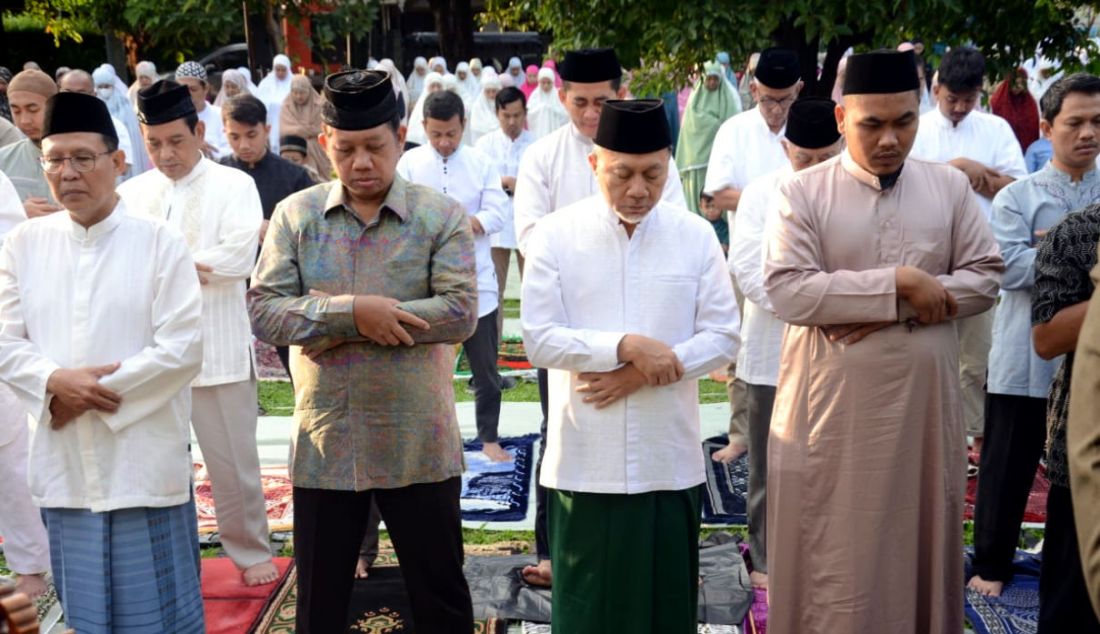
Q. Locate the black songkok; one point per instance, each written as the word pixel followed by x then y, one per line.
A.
pixel 293 142
pixel 778 68
pixel 76 112
pixel 881 72
pixel 591 66
pixel 811 123
pixel 636 126
pixel 358 99
pixel 164 101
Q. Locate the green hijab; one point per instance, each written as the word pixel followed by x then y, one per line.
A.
pixel 706 111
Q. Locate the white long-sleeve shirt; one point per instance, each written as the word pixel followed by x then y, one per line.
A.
pixel 470 177
pixel 555 173
pixel 218 211
pixel 507 152
pixel 762 331
pixel 985 138
pixel 11 214
pixel 122 290
pixel 585 286
pixel 211 117
pixel 744 149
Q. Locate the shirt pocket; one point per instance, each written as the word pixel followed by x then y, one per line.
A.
pixel 668 307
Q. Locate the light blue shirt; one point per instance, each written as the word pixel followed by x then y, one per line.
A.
pixel 1038 154
pixel 1034 203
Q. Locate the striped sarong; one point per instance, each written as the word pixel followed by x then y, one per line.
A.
pixel 129 571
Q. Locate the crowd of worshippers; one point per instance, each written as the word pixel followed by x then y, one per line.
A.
pixel 895 281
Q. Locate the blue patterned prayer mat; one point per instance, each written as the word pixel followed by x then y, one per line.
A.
pixel 1016 611
pixel 724 499
pixel 498 491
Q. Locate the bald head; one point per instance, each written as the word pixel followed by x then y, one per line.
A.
pixel 77 80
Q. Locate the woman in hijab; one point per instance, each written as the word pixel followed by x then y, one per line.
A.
pixel 468 85
pixel 247 74
pixel 415 82
pixel 146 73
pixel 300 115
pixel 438 65
pixel 545 113
pixel 552 65
pixel 400 89
pixel 1013 102
pixel 276 86
pixel 432 83
pixel 107 89
pixel 476 67
pixel 233 84
pixel 483 110
pixel 5 78
pixel 711 103
pixel 531 81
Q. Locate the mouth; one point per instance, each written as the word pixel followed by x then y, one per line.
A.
pixel 1086 149
pixel 365 182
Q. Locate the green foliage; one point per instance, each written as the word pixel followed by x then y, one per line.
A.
pixel 332 20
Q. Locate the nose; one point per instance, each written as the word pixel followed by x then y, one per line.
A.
pixel 888 139
pixel 362 161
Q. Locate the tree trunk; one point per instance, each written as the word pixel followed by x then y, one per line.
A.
pixel 454 22
pixel 116 54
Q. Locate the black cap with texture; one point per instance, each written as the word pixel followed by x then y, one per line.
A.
pixel 164 101
pixel 77 112
pixel 636 126
pixel 778 68
pixel 358 99
pixel 293 142
pixel 591 66
pixel 881 72
pixel 811 123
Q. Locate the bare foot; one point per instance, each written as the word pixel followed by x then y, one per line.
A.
pixel 540 575
pixel 758 580
pixel 260 574
pixel 33 586
pixel 977 448
pixel 495 452
pixel 362 569
pixel 730 452
pixel 988 588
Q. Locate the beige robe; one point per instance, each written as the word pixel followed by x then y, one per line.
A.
pixel 866 456
pixel 1083 439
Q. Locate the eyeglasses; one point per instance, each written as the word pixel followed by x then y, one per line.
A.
pixel 80 162
pixel 772 102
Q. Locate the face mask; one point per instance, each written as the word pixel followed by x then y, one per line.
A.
pixel 105 93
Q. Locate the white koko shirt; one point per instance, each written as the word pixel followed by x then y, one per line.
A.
pixel 122 290
pixel 744 149
pixel 555 173
pixel 469 176
pixel 586 286
pixel 507 153
pixel 217 209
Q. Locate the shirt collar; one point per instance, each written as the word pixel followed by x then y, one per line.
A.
pixel 452 157
pixel 1051 172
pixel 763 123
pixel 99 229
pixel 197 171
pixel 862 175
pixel 583 140
pixel 943 122
pixel 394 201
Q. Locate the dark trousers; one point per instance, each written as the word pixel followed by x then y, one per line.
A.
pixel 425 525
pixel 1064 604
pixel 759 403
pixel 368 550
pixel 284 358
pixel 481 352
pixel 542 532
pixel 1014 435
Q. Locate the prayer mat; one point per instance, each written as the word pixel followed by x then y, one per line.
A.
pixel 379 605
pixel 510 357
pixel 704 628
pixel 1036 511
pixel 756 620
pixel 278 498
pixel 230 607
pixel 724 500
pixel 498 491
pixel 1016 611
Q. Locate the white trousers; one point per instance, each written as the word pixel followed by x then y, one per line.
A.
pixel 224 418
pixel 26 546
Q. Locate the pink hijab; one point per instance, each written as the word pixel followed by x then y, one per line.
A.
pixel 527 87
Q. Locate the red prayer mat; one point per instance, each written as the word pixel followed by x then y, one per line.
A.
pixel 230 606
pixel 278 497
pixel 1036 511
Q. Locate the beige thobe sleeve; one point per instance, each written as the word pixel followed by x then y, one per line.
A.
pixel 1083 438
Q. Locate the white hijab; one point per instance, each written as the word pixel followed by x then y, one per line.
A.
pixel 415 81
pixel 119 106
pixel 416 132
pixel 545 113
pixel 272 89
pixel 470 87
pixel 399 86
pixel 483 110
pixel 232 76
pixel 143 69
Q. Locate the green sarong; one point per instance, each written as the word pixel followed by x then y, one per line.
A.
pixel 625 563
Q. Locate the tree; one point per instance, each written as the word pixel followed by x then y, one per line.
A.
pixel 665 40
pixel 454 22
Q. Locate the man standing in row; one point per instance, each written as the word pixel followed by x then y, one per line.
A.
pixel 102 362
pixel 747 146
pixel 870 258
pixel 27 93
pixel 555 173
pixel 811 137
pixel 375 279
pixel 193 76
pixel 218 211
pixel 470 177
pixel 628 301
